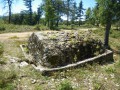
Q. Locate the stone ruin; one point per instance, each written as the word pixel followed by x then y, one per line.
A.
pixel 56 49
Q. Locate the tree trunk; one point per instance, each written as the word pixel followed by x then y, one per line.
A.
pixel 106 40
pixel 68 8
pixel 51 24
pixel 67 19
pixel 9 12
pixel 57 23
pixel 48 23
pixel 79 22
pixel 30 13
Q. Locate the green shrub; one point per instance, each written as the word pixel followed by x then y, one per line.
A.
pixel 65 85
pixel 72 26
pixel 5 28
pixel 118 46
pixel 115 34
pixel 64 27
pixel 98 85
pixel 87 26
pixel 110 70
pixel 37 27
pixel 2 28
pixel 1 49
pixel 2 60
pixel 40 27
pixel 6 80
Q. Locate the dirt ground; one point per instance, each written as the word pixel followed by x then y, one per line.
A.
pixel 19 35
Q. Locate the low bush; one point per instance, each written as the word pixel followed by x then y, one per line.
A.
pixel 37 27
pixel 110 70
pixel 72 26
pixel 87 26
pixel 40 27
pixel 2 28
pixel 6 28
pixel 65 85
pixel 3 60
pixel 65 27
pixel 115 34
pixel 1 49
pixel 6 79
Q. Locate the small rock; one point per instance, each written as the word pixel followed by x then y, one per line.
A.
pixel 89 83
pixel 33 81
pixel 112 75
pixel 74 79
pixel 42 82
pixel 22 64
pixel 52 79
pixel 19 80
pixel 63 79
pixel 105 78
pixel 117 85
pixel 25 86
pixel 12 60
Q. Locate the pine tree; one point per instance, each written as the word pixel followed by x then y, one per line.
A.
pixel 95 15
pixel 28 4
pixel 107 11
pixel 88 15
pixel 74 13
pixel 80 11
pixel 59 6
pixel 68 9
pixel 49 13
pixel 39 13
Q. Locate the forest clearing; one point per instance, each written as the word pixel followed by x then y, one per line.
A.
pixel 62 45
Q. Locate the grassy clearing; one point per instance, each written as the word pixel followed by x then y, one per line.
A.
pixel 94 77
pixel 12 48
pixel 114 37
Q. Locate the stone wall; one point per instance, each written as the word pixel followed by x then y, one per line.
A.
pixel 56 49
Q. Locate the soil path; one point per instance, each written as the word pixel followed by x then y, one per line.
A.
pixel 17 35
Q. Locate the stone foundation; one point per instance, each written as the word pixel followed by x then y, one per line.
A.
pixel 101 59
pixel 56 49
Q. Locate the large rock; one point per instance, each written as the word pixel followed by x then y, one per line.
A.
pixel 55 49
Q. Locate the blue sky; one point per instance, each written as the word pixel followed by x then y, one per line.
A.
pixel 19 5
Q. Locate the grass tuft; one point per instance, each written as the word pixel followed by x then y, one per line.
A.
pixel 6 79
pixel 65 85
